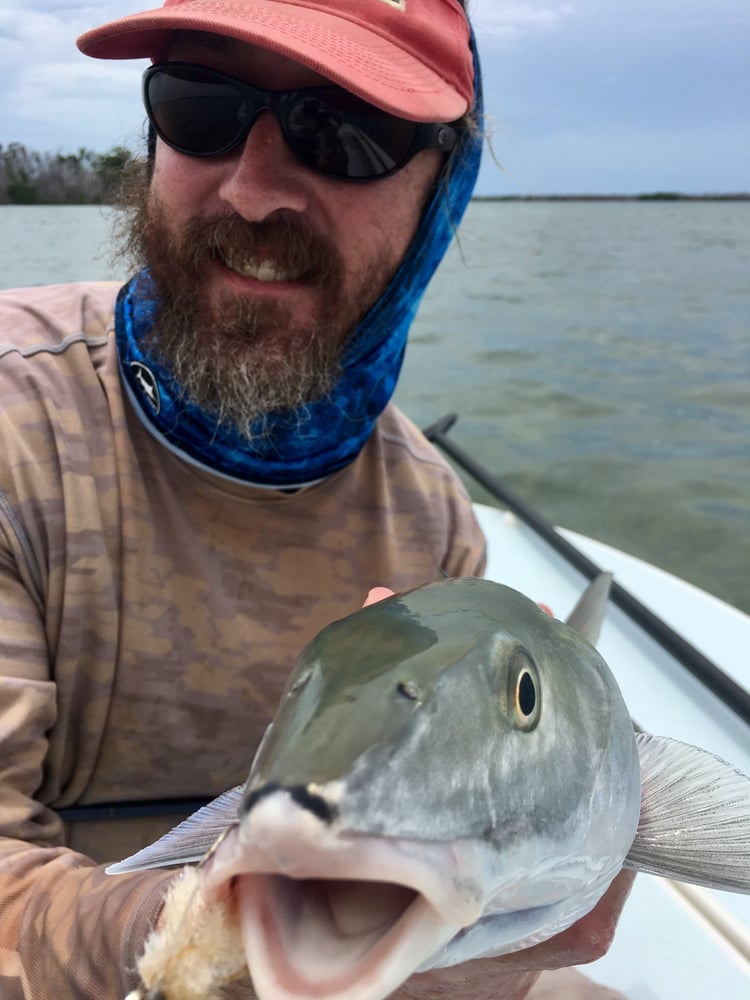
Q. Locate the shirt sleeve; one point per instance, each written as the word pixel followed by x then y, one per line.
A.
pixel 467 555
pixel 466 546
pixel 67 930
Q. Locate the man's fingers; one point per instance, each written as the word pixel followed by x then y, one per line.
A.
pixel 378 594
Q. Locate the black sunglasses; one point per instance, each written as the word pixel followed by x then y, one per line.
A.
pixel 202 112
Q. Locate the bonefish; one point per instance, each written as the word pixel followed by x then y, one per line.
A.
pixel 451 773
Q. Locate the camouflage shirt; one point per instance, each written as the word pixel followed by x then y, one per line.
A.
pixel 149 614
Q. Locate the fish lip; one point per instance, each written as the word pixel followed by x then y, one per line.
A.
pixel 278 837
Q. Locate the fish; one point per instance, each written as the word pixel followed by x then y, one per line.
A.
pixel 451 774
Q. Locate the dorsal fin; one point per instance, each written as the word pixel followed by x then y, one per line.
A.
pixel 588 614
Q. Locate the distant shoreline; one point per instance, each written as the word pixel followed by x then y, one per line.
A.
pixel 654 196
pixel 657 196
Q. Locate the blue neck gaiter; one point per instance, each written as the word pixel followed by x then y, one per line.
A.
pixel 296 447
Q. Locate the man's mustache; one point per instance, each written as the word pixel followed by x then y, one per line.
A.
pixel 286 244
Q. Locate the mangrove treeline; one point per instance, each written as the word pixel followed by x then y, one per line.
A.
pixel 83 178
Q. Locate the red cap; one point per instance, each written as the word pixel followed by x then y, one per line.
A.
pixel 409 57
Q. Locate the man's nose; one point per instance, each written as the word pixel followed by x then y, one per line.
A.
pixel 263 176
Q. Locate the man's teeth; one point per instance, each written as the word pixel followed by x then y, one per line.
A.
pixel 261 270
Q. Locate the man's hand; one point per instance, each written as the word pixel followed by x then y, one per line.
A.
pixel 378 594
pixel 569 984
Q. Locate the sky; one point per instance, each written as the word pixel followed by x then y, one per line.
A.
pixel 582 97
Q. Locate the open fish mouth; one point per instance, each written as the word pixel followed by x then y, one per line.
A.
pixel 331 914
pixel 329 938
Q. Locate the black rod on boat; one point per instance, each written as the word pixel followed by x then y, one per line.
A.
pixel 700 666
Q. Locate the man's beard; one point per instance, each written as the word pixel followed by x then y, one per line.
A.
pixel 241 359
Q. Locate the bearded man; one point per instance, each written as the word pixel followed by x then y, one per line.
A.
pixel 201 469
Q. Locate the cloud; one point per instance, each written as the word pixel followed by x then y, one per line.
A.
pixel 499 22
pixel 45 31
pixel 52 94
pixel 50 29
pixel 77 89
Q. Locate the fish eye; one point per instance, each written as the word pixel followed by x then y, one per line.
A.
pixel 525 692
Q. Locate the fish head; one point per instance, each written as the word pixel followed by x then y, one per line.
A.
pixel 453 710
pixel 450 772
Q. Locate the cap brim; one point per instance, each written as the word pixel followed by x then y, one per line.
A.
pixel 345 52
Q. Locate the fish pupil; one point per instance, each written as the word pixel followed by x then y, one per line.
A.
pixel 526 694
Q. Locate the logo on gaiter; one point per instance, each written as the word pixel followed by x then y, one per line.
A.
pixel 147 383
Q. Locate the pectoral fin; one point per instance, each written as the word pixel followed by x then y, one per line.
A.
pixel 695 816
pixel 189 841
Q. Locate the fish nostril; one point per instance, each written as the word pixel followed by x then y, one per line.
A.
pixel 302 795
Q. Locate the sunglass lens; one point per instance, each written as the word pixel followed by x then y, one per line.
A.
pixel 202 112
pixel 345 137
pixel 195 111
